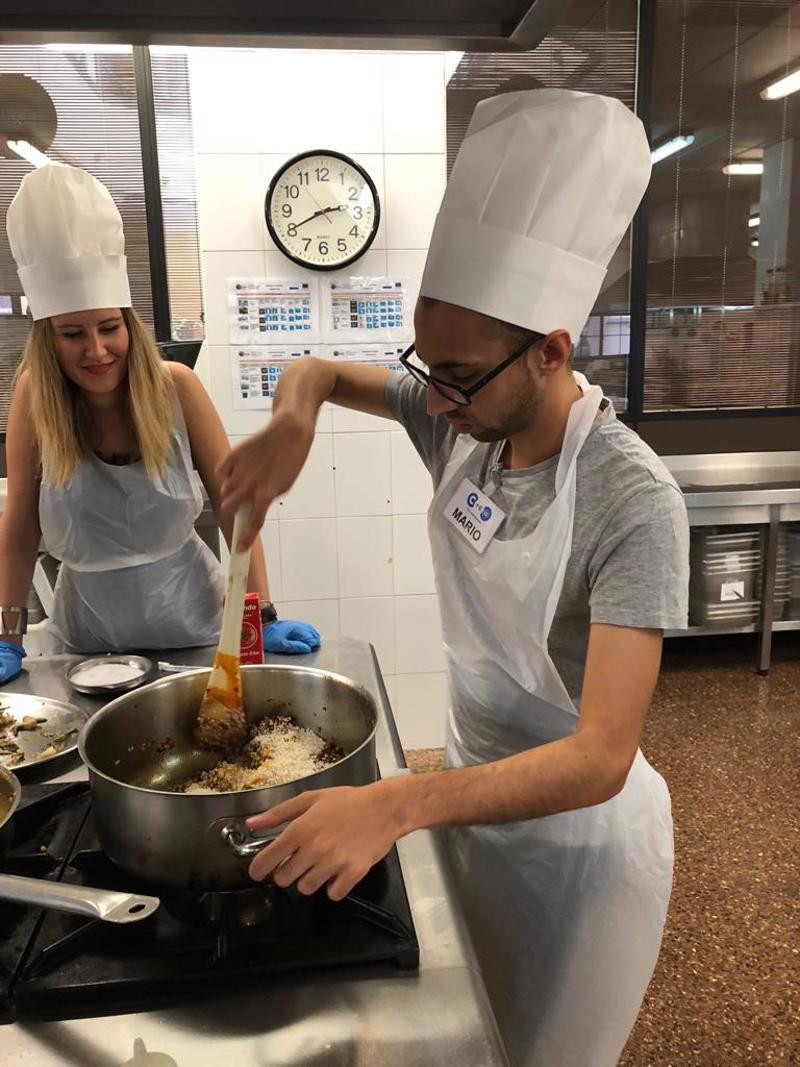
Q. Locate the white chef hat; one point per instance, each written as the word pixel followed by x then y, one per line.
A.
pixel 66 236
pixel 544 186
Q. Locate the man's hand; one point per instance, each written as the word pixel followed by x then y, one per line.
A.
pixel 263 468
pixel 333 838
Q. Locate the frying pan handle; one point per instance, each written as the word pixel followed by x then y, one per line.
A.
pixel 97 903
pixel 241 840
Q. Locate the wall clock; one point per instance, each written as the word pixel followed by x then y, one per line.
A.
pixel 322 210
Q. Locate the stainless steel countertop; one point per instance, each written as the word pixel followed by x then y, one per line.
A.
pixel 339 1020
pixel 737 478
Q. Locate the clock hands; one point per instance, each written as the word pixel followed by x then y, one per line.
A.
pixel 322 211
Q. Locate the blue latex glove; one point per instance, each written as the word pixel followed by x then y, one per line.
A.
pixel 290 638
pixel 11 657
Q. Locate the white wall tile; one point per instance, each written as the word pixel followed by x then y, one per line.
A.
pixel 271 541
pixel 308 559
pixel 363 473
pixel 318 99
pixel 390 681
pixel 419 634
pixel 421 709
pixel 371 264
pixel 312 496
pixel 414 187
pixel 322 614
pixel 413 567
pixel 229 202
pixel 216 267
pixel 371 619
pixel 411 483
pixel 365 556
pixel 223 85
pixel 408 264
pixel 325 418
pixel 413 102
pixel 346 420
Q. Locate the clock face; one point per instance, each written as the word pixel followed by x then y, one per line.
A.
pixel 322 210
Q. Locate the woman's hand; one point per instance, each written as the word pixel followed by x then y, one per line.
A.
pixel 290 638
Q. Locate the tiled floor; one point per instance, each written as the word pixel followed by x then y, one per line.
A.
pixel 727 987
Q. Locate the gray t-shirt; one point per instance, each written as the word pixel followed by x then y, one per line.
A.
pixel 629 564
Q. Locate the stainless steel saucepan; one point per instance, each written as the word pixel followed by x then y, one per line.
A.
pixel 139 746
pixel 97 903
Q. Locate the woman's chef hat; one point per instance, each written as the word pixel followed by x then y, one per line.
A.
pixel 66 236
pixel 543 189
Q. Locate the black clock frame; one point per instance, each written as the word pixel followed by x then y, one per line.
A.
pixel 271 189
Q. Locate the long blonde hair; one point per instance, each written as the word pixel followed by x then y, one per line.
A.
pixel 61 417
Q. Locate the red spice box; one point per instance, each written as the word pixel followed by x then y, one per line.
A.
pixel 252 646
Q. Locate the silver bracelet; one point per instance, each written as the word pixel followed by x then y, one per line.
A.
pixel 19 627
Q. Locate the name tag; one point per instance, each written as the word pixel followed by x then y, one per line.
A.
pixel 474 515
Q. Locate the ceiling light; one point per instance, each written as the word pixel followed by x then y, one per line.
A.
pixel 753 166
pixel 790 83
pixel 669 148
pixel 754 243
pixel 754 220
pixel 26 151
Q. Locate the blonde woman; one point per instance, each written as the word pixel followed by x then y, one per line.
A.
pixel 102 441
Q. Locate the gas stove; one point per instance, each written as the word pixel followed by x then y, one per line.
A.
pixel 55 965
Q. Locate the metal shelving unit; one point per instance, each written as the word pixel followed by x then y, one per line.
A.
pixel 744 489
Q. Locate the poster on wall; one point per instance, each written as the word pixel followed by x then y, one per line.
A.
pixel 365 309
pixel 263 311
pixel 256 370
pixel 378 355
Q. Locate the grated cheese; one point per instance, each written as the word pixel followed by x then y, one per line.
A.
pixel 278 751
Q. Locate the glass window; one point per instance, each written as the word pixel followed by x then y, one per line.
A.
pixel 593 54
pixel 77 105
pixel 723 329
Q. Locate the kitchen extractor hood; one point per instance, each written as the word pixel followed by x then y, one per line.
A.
pixel 469 25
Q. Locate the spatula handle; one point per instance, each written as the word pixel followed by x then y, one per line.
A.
pixel 230 636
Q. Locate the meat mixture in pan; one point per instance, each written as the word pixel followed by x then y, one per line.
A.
pixel 276 751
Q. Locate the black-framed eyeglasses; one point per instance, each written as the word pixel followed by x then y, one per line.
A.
pixel 455 393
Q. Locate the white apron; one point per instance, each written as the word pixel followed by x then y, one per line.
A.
pixel 566 912
pixel 134 573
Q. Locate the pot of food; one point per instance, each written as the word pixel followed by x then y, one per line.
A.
pixel 171 812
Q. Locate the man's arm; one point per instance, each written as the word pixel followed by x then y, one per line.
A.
pixel 586 768
pixel 335 835
pixel 267 465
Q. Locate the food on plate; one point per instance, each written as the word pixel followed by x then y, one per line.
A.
pixel 12 754
pixel 105 674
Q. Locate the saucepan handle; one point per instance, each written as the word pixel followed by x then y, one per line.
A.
pixel 243 842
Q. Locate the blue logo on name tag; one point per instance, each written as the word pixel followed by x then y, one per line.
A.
pixel 485 512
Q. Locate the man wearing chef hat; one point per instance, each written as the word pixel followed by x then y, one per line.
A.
pixel 560 547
